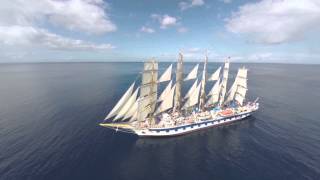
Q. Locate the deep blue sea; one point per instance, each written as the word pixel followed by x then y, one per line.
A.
pixel 49 116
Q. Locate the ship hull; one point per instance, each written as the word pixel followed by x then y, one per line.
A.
pixel 189 128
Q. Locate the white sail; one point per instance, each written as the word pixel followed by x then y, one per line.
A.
pixel 224 83
pixel 242 86
pixel 215 89
pixel 214 93
pixel 165 92
pixel 242 82
pixel 193 87
pixel 239 86
pixel 126 107
pixel 148 90
pixel 132 110
pixel 194 98
pixel 167 103
pixel 193 73
pixel 242 91
pixel 232 92
pixel 121 102
pixel 134 117
pixel 239 99
pixel 215 75
pixel 166 76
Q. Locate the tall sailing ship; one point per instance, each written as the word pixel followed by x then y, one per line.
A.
pixel 142 112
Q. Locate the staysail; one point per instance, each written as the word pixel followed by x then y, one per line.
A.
pixel 215 75
pixel 193 73
pixel 224 83
pixel 165 92
pixel 179 81
pixel 190 91
pixel 121 102
pixel 194 98
pixel 214 93
pixel 166 76
pixel 126 107
pixel 167 102
pixel 148 90
pixel 132 112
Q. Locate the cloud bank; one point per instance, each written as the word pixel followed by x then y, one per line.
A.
pixel 29 36
pixel 24 23
pixel 276 21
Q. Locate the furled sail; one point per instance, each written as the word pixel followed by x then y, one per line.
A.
pixel 167 102
pixel 179 81
pixel 165 92
pixel 203 85
pixel 148 90
pixel 239 87
pixel 214 93
pixel 224 83
pixel 126 107
pixel 193 87
pixel 121 102
pixel 215 75
pixel 166 76
pixel 193 73
pixel 194 98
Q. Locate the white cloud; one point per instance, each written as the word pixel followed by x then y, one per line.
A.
pixel 29 36
pixel 182 30
pixel 165 20
pixel 276 21
pixel 22 23
pixel 77 15
pixel 193 3
pixel 226 1
pixel 147 29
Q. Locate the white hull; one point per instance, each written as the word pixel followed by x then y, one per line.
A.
pixel 184 129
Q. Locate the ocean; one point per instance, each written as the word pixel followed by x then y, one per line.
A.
pixel 49 116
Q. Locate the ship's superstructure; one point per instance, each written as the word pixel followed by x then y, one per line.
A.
pixel 145 112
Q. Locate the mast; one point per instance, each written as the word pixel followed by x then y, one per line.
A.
pixel 224 82
pixel 203 85
pixel 179 81
pixel 148 91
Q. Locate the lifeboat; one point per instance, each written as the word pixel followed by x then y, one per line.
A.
pixel 227 112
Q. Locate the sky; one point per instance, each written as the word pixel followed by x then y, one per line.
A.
pixel 275 31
